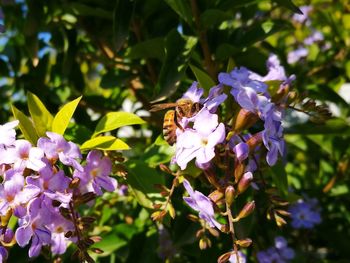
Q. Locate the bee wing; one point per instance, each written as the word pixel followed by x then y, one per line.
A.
pixel 162 106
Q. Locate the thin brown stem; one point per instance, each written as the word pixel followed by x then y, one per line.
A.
pixel 203 40
pixel 232 230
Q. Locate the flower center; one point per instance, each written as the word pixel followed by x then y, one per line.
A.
pixel 204 142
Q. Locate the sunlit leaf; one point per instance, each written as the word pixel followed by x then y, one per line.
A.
pixel 115 120
pixel 62 118
pixel 41 117
pixel 143 179
pixel 105 143
pixel 25 125
pixel 203 78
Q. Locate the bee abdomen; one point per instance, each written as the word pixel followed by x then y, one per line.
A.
pixel 169 127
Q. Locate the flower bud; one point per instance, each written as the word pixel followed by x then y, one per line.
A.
pixel 7 238
pixel 239 171
pixel 245 182
pixel 245 119
pixel 171 210
pixel 244 242
pixel 229 194
pixel 254 141
pixel 204 243
pixel 224 257
pixel 216 196
pixel 281 93
pixel 246 211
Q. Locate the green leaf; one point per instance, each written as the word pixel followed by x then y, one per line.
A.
pixel 25 125
pixel 212 17
pixel 183 9
pixel 203 78
pixel 178 50
pixel 115 120
pixel 121 19
pixel 260 31
pixel 85 10
pixel 279 177
pixel 334 126
pixel 105 143
pixel 109 243
pixel 41 117
pixel 289 5
pixel 151 48
pixel 142 179
pixel 158 152
pixel 62 118
pixel 4 70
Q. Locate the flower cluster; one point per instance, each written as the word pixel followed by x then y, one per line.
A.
pixel 203 132
pixel 280 252
pixel 225 149
pixel 315 36
pixel 305 214
pixel 41 185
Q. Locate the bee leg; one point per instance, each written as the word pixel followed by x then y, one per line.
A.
pixel 177 123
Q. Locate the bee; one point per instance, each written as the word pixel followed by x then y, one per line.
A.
pixel 183 108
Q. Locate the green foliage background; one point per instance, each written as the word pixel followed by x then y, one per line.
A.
pixel 123 55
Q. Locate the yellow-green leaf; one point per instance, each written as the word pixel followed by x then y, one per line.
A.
pixel 25 125
pixel 41 117
pixel 105 143
pixel 203 78
pixel 62 118
pixel 114 120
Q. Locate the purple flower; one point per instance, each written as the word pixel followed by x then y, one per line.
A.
pixel 23 155
pixel 241 151
pixel 96 173
pixel 3 254
pixel 8 133
pixel 242 258
pixel 305 214
pixel 201 204
pixel 7 236
pixel 33 227
pixel 250 100
pixel 272 136
pixel 53 185
pixel 58 227
pixel 315 36
pixel 56 147
pixel 13 193
pixel 301 18
pixel 296 55
pixel 275 71
pixel 214 99
pixel 280 253
pixel 193 93
pixel 200 141
pixel 240 78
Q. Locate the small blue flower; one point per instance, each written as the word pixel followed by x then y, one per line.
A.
pixel 280 253
pixel 305 214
